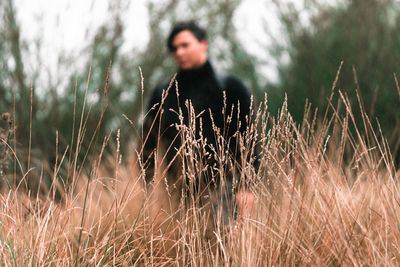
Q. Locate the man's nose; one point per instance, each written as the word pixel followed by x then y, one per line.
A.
pixel 179 51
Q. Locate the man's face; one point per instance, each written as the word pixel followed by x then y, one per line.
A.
pixel 188 52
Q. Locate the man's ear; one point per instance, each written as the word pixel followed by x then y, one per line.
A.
pixel 204 43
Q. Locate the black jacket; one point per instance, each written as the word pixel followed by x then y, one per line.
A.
pixel 204 88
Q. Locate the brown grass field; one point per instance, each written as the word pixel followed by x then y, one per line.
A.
pixel 327 194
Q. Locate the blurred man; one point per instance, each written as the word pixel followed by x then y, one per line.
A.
pixel 213 105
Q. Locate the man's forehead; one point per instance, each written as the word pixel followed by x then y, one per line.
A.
pixel 184 36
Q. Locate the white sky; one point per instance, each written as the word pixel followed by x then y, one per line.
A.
pixel 65 26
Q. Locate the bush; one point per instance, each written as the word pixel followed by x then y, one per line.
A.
pixel 364 35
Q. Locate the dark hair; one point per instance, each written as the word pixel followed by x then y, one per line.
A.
pixel 191 26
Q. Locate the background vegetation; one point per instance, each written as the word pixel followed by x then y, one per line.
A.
pixel 55 104
pixel 316 38
pixel 362 34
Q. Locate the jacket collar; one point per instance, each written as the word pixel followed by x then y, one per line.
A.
pixel 199 73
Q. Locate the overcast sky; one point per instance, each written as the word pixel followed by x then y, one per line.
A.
pixel 65 26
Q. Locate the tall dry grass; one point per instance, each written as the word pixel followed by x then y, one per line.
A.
pixel 327 193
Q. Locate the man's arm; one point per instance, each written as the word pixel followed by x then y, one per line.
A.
pixel 149 133
pixel 246 119
pixel 244 122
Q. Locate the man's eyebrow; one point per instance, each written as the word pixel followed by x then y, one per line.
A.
pixel 174 47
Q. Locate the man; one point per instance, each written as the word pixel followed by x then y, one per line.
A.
pixel 196 99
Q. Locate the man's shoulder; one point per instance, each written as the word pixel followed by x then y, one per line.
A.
pixel 158 90
pixel 163 85
pixel 231 83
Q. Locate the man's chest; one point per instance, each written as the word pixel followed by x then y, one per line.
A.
pixel 201 96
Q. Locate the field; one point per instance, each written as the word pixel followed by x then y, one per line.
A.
pixel 326 194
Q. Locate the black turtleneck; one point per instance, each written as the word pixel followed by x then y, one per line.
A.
pixel 204 88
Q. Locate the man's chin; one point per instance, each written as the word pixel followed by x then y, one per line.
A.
pixel 185 67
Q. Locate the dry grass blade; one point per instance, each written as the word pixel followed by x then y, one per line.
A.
pixel 397 84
